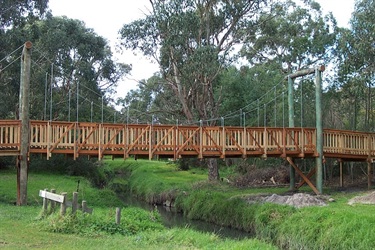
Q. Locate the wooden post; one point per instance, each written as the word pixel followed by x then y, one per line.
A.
pixel 63 205
pixel 319 128
pixel 84 206
pixel 45 203
pixel 292 182
pixel 53 203
pixel 86 209
pixel 369 175
pixel 291 162
pixel 341 174
pixel 118 215
pixel 75 203
pixel 22 167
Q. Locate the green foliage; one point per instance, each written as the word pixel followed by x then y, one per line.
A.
pixel 156 181
pixel 357 69
pixel 20 229
pixel 297 35
pixel 7 162
pixel 67 57
pixel 269 217
pixel 188 163
pixel 340 227
pixel 61 183
pixel 133 221
pixel 192 44
pixel 16 13
pixel 347 227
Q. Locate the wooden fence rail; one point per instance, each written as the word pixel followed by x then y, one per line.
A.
pixel 52 198
pixel 170 141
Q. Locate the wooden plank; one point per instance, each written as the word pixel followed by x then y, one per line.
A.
pixel 290 160
pixel 51 196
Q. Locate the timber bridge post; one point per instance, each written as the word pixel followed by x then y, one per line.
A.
pixel 23 158
pixel 319 126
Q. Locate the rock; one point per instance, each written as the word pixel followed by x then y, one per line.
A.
pixel 368 198
pixel 296 200
pixel 167 203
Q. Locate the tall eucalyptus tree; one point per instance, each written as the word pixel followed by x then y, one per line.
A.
pixel 68 57
pixel 192 41
pixel 357 66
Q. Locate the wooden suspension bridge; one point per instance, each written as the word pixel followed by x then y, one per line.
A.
pixel 173 141
pixel 24 137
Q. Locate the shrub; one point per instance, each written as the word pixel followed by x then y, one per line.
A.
pixel 133 221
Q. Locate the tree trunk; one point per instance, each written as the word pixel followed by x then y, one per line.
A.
pixel 213 169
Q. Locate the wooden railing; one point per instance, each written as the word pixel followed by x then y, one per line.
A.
pixel 182 141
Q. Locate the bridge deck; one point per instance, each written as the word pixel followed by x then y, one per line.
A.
pixel 182 141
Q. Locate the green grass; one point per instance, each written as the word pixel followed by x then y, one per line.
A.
pixel 336 226
pixel 24 228
pixel 155 181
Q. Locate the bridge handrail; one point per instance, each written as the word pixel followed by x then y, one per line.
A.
pixel 84 138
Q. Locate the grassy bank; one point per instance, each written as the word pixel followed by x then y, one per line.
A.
pixel 336 226
pixel 24 228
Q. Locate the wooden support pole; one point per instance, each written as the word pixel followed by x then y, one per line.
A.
pixel 319 128
pixel 341 173
pixel 118 215
pixel 309 175
pixel 292 172
pixel 63 205
pixel 22 167
pixel 369 175
pixel 291 162
pixel 75 203
pixel 305 72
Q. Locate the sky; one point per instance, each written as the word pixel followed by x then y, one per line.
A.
pixel 107 17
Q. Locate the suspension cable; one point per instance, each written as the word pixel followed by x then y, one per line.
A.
pixel 14 51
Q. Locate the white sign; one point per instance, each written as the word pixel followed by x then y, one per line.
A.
pixel 51 196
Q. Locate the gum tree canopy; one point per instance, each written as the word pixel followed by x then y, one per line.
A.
pixel 192 41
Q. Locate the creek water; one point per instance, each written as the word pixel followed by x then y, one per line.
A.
pixel 170 219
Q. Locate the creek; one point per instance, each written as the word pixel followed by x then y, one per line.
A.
pixel 170 219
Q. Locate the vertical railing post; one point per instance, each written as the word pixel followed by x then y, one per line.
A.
pixel 200 139
pixel 223 138
pixel 150 139
pixel 101 137
pixel 125 136
pixel 174 141
pixel 244 137
pixel 75 140
pixel 49 138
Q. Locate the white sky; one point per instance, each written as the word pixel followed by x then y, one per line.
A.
pixel 107 17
